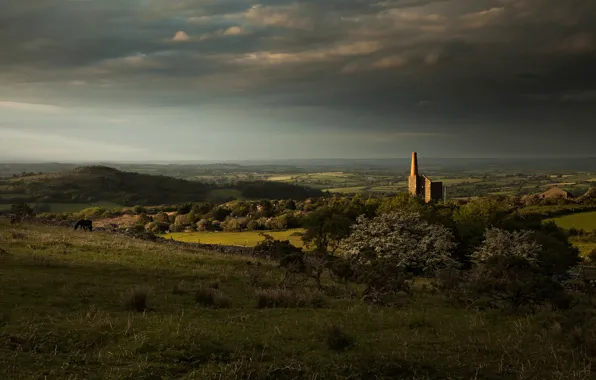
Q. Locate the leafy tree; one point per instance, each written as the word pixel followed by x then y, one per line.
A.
pixel 241 209
pixel 162 217
pixel 21 210
pixel 290 205
pixel 181 220
pixel 202 208
pixel 400 240
pixel 404 202
pixel 204 225
pixel 192 217
pixel 498 242
pixel 143 219
pixel 177 227
pixel 510 272
pixel 139 209
pixel 232 224
pixel 157 227
pixel 254 225
pixel 266 208
pixel 184 208
pixel 220 213
pixel 325 228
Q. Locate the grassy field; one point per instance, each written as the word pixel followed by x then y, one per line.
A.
pixel 581 220
pixel 585 247
pixel 346 190
pixel 245 239
pixel 65 313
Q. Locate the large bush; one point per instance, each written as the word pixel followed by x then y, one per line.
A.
pixel 513 272
pixel 383 249
pixel 401 239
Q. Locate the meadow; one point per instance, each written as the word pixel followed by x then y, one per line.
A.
pixel 75 305
pixel 244 239
pixel 581 221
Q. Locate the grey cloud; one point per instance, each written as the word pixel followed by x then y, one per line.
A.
pixel 497 63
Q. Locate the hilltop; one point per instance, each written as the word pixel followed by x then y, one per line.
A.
pixel 69 310
pixel 102 183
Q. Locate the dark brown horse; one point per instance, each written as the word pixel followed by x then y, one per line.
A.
pixel 85 224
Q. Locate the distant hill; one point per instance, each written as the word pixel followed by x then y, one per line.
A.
pixel 102 183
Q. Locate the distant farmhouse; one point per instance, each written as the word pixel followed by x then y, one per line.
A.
pixel 420 185
pixel 556 193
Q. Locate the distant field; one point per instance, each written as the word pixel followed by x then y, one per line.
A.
pixel 581 220
pixel 244 239
pixel 335 177
pixel 387 189
pixel 455 181
pixel 283 178
pixel 70 207
pixel 346 190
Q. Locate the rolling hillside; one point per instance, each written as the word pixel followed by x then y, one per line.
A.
pixel 98 306
pixel 101 183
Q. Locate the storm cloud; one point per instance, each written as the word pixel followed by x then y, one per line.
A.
pixel 209 79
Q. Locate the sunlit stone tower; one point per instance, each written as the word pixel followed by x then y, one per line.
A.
pixel 419 185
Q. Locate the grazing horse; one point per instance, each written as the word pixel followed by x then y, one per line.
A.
pixel 85 224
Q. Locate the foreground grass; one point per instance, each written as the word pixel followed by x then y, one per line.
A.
pixel 244 239
pixel 581 220
pixel 75 305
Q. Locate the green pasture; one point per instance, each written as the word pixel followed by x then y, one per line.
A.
pixel 244 239
pixel 456 181
pixel 346 190
pixel 581 220
pixel 75 305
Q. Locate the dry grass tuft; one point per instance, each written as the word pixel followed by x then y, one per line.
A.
pixel 18 235
pixel 136 298
pixel 209 297
pixel 337 339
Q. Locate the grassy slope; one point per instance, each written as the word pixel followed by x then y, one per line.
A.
pixel 61 318
pixel 245 238
pixel 580 220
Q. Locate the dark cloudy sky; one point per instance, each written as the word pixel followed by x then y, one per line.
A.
pixel 218 79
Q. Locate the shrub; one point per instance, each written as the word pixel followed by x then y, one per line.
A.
pixel 283 298
pixel 177 228
pixel 400 239
pixel 592 256
pixel 157 227
pixel 514 273
pixel 143 219
pixel 22 210
pixel 139 209
pixel 18 235
pixel 204 225
pixel 281 250
pixel 179 288
pixel 136 298
pixel 210 297
pixel 336 338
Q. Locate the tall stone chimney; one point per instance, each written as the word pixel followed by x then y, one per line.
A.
pixel 415 183
pixel 414 169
